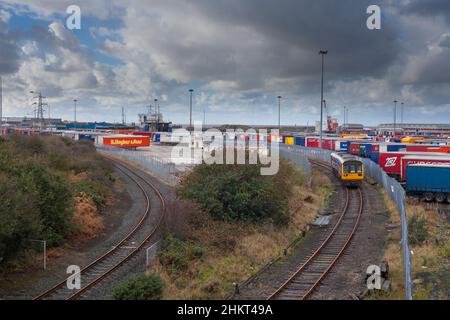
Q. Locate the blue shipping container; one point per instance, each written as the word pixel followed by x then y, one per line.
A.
pixel 157 137
pixel 428 178
pixel 367 150
pixel 375 157
pixel 86 137
pixel 300 141
pixel 344 145
pixel 395 147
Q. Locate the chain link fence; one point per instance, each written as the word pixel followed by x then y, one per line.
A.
pixel 299 155
pixel 164 170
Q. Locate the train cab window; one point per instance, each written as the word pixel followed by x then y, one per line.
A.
pixel 353 168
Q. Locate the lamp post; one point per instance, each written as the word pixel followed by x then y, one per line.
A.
pixel 395 116
pixel 190 108
pixel 279 114
pixel 1 106
pixel 322 53
pixel 75 114
pixel 344 115
pixel 401 114
pixel 157 114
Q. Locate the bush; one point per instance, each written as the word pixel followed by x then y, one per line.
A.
pixel 176 254
pixel 417 229
pixel 139 287
pixel 93 189
pixel 36 199
pixel 19 217
pixel 54 201
pixel 240 193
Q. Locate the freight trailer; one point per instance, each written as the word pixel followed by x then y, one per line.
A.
pixel 432 181
pixel 312 142
pixel 341 145
pixel 300 141
pixel 408 160
pixel 391 162
pixel 126 141
pixel 428 148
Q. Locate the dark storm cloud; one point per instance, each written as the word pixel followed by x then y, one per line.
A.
pixel 429 7
pixel 295 30
pixel 9 52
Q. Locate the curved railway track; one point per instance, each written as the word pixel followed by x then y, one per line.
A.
pixel 302 283
pixel 98 270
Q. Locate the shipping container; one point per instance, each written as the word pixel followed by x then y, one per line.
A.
pixel 340 145
pixel 431 181
pixel 391 147
pixel 328 143
pixel 142 133
pixel 422 159
pixel 126 141
pixel 354 148
pixel 428 148
pixel 391 162
pixel 300 141
pixel 312 142
pixel 289 140
pixel 87 137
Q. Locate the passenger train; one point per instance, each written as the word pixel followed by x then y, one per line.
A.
pixel 349 169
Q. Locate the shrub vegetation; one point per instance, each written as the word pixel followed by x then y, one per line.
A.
pixel 239 193
pixel 35 190
pixel 139 287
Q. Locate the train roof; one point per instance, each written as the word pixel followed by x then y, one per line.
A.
pixel 344 156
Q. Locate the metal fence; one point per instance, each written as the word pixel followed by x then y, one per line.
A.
pixel 164 170
pixel 300 155
pixel 398 195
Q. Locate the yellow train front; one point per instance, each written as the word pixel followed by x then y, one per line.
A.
pixel 348 168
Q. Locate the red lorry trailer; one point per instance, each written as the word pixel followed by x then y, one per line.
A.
pixel 390 162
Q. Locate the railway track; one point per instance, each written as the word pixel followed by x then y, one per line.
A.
pixel 308 276
pixel 127 248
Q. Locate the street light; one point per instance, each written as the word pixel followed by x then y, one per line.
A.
pixel 1 106
pixel 322 53
pixel 344 116
pixel 395 116
pixel 279 114
pixel 75 114
pixel 157 114
pixel 401 114
pixel 190 108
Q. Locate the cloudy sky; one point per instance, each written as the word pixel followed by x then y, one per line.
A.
pixel 238 55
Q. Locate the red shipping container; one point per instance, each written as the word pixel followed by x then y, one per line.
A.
pixel 428 148
pixel 390 162
pixel 328 144
pixel 312 142
pixel 354 148
pixel 375 148
pixel 142 134
pixel 422 159
pixel 127 142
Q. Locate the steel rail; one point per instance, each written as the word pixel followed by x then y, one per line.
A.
pixel 115 248
pixel 323 245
